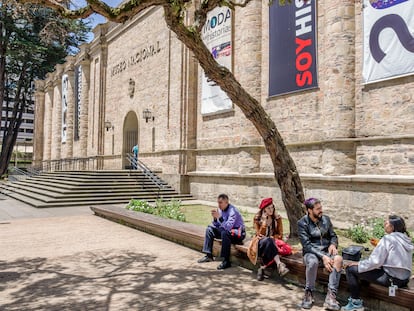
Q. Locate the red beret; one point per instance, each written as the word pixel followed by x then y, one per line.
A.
pixel 266 202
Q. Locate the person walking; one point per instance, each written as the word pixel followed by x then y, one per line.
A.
pixel 227 225
pixel 135 151
pixel 319 246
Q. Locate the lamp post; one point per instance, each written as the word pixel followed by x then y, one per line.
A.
pixel 147 114
pixel 108 125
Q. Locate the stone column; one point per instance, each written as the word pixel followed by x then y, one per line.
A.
pixel 57 115
pixel 70 99
pixel 48 120
pixel 84 113
pixel 39 123
pixel 248 51
pixel 338 74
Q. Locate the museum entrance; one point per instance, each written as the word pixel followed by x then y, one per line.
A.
pixel 130 136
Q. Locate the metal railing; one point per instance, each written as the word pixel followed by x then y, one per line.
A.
pixel 72 164
pixel 138 165
pixel 17 174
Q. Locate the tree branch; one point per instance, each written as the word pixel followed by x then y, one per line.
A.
pixel 119 14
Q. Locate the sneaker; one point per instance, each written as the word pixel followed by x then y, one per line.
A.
pixel 307 301
pixel 354 305
pixel 206 258
pixel 224 265
pixel 330 302
pixel 260 274
pixel 282 269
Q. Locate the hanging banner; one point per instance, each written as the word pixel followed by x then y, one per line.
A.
pixel 388 39
pixel 64 106
pixel 292 47
pixel 78 103
pixel 216 35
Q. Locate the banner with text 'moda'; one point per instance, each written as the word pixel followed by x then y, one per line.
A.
pixel 388 39
pixel 292 47
pixel 216 35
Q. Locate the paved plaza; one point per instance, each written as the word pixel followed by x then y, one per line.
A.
pixel 69 259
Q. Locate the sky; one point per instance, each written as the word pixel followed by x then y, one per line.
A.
pixel 95 19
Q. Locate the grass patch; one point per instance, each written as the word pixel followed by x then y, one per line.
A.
pixel 201 215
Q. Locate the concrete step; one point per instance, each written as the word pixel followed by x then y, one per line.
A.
pixel 95 185
pixel 84 188
pixel 70 180
pixel 93 201
pixel 78 190
pixel 92 177
pixel 50 196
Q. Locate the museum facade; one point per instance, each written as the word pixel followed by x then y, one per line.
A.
pixel 334 76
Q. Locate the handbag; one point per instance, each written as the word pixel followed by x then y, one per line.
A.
pixel 352 252
pixel 283 248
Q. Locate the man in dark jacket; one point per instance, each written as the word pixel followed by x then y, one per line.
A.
pixel 228 226
pixel 319 243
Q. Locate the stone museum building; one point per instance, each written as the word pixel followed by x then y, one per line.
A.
pixel 334 76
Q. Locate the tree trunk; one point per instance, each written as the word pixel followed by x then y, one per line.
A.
pixel 285 170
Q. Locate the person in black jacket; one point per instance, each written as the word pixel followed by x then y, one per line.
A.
pixel 320 247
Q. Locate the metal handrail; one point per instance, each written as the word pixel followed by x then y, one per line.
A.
pixel 81 163
pixel 16 174
pixel 147 172
pixel 34 171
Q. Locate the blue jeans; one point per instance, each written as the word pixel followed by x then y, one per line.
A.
pixel 312 263
pixel 227 238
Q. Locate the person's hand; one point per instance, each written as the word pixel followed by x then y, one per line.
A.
pixel 374 241
pixel 215 214
pixel 332 250
pixel 327 263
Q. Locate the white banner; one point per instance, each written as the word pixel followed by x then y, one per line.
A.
pixel 216 36
pixel 388 39
pixel 64 105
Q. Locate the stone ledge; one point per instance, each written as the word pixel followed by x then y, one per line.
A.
pixel 192 236
pixel 382 179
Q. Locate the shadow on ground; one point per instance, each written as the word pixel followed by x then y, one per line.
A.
pixel 129 280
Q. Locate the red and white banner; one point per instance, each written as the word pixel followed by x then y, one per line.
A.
pixel 388 39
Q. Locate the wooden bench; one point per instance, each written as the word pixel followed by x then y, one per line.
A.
pixel 404 296
pixel 192 236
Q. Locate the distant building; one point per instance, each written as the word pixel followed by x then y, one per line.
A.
pixel 24 141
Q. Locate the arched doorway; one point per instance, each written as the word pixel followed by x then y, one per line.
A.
pixel 130 136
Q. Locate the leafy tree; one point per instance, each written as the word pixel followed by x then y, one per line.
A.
pixel 189 33
pixel 33 39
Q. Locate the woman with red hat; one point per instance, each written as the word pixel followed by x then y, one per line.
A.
pixel 268 226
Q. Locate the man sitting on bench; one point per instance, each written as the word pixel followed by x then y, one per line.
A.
pixel 319 243
pixel 228 226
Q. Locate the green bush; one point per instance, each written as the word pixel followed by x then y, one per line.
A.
pixel 358 233
pixel 171 209
pixel 377 225
pixel 165 209
pixel 140 206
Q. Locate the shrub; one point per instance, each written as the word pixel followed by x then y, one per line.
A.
pixel 377 225
pixel 358 233
pixel 140 206
pixel 165 209
pixel 171 209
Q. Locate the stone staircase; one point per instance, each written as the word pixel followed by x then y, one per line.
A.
pixel 76 188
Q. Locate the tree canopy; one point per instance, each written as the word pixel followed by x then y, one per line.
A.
pixel 33 39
